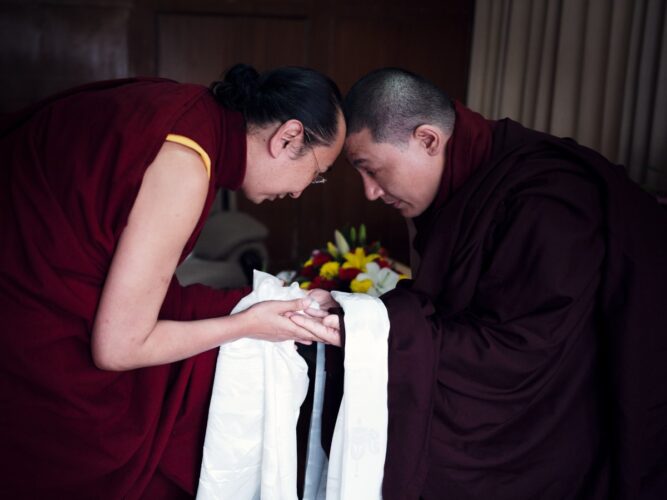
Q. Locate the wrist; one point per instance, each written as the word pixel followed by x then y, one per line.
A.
pixel 236 326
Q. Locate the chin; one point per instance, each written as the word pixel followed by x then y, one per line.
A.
pixel 254 198
pixel 410 212
pixel 407 213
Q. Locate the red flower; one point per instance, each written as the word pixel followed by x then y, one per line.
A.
pixel 320 258
pixel 308 272
pixel 383 263
pixel 323 283
pixel 348 274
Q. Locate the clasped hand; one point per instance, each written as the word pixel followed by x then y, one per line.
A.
pixel 323 326
pixel 297 320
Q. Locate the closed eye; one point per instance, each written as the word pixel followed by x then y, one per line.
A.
pixel 365 170
pixel 361 165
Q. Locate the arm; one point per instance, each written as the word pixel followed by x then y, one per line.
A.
pixel 127 333
pixel 534 290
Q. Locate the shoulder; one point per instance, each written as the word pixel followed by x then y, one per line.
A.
pixel 177 173
pixel 548 195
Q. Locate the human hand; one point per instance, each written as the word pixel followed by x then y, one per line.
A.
pixel 325 329
pixel 325 301
pixel 270 321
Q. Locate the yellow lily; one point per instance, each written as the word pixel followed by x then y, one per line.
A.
pixel 359 259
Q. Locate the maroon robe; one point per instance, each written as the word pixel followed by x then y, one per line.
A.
pixel 527 358
pixel 72 167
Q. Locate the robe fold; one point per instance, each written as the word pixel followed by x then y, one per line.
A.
pixel 527 357
pixel 71 168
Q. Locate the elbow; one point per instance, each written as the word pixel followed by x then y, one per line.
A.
pixel 108 357
pixel 107 362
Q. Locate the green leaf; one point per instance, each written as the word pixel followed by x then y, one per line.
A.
pixel 362 235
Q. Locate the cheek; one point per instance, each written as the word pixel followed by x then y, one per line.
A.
pixel 395 183
pixel 300 178
pixel 255 184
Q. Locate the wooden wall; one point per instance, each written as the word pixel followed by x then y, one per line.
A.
pixel 47 46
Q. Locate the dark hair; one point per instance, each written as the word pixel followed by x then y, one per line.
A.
pixel 283 94
pixel 393 102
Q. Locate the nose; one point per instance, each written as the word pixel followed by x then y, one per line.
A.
pixel 372 189
pixel 295 194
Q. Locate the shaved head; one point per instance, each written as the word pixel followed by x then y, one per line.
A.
pixel 392 103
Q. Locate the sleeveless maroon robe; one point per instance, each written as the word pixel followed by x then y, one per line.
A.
pixel 72 167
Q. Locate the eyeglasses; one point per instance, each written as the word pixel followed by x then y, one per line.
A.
pixel 319 178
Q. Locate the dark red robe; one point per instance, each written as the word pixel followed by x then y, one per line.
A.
pixel 71 168
pixel 528 357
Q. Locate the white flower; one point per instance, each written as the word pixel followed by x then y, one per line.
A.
pixel 341 242
pixel 384 279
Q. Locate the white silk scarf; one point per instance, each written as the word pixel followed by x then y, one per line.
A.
pixel 250 446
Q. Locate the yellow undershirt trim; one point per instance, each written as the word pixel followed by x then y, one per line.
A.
pixel 186 141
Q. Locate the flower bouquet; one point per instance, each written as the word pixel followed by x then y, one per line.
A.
pixel 349 264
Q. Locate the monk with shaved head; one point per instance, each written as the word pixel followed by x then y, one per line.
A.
pixel 527 354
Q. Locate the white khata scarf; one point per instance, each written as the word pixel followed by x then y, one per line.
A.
pixel 250 446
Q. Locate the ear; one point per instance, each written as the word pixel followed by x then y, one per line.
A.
pixel 287 138
pixel 431 138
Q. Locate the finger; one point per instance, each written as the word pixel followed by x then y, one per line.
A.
pixel 332 321
pixel 325 333
pixel 329 336
pixel 332 332
pixel 316 313
pixel 285 306
pixel 297 331
pixel 321 296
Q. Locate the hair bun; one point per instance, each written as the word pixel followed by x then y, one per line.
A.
pixel 238 88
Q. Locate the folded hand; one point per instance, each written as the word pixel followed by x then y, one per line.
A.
pixel 325 301
pixel 270 321
pixel 326 329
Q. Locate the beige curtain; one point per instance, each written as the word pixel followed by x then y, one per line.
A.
pixel 594 70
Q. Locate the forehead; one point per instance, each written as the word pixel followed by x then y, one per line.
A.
pixel 324 156
pixel 361 148
pixel 359 143
pixel 331 152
